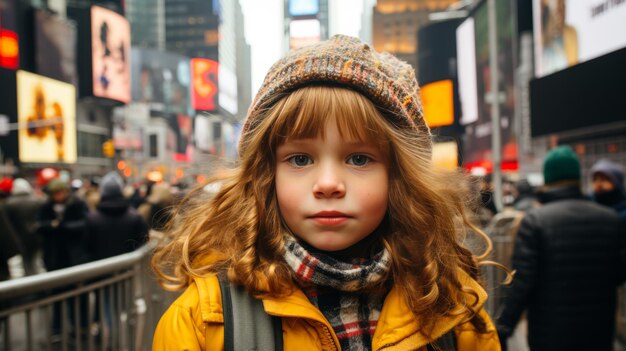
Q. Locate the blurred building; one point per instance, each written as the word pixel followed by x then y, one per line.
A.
pixel 147 23
pixel 191 28
pixel 396 23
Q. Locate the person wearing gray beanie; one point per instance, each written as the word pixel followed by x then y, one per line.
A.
pixel 608 185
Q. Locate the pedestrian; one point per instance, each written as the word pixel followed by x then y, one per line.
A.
pixel 9 242
pixel 114 227
pixel 156 210
pixel 61 223
pixel 608 185
pixel 335 218
pixel 568 265
pixel 22 208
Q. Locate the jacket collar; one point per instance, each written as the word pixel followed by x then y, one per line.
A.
pixel 396 330
pixel 557 193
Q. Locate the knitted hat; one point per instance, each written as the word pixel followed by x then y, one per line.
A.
pixel 111 186
pixel 560 164
pixel 345 61
pixel 611 170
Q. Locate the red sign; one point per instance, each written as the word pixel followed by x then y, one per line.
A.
pixel 9 49
pixel 204 82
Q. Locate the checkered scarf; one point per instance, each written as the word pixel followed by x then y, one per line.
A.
pixel 348 294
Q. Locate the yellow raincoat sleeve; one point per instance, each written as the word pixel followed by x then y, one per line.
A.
pixel 182 326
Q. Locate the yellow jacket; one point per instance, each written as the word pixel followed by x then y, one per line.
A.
pixel 195 322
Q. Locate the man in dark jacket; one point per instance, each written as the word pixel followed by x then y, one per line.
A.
pixel 568 265
pixel 62 224
pixel 115 227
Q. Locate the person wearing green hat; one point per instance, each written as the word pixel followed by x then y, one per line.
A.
pixel 568 262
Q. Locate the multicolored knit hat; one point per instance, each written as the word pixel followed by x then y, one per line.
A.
pixel 345 61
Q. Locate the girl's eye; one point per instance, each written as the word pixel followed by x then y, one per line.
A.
pixel 300 160
pixel 359 160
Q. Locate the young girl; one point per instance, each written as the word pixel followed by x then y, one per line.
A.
pixel 334 218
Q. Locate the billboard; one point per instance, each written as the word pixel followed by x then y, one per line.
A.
pixel 303 7
pixel 304 32
pixel 162 80
pixel 437 99
pixel 568 32
pixel 55 47
pixel 9 40
pixel 46 113
pixel 466 61
pixel 110 44
pixel 205 75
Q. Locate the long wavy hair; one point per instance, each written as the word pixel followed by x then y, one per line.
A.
pixel 239 229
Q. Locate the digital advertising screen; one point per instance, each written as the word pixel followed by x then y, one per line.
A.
pixel 46 113
pixel 568 32
pixel 437 99
pixel 55 47
pixel 9 40
pixel 303 33
pixel 466 67
pixel 110 41
pixel 205 82
pixel 445 155
pixel 303 7
pixel 162 80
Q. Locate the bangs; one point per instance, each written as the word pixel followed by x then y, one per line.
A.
pixel 303 114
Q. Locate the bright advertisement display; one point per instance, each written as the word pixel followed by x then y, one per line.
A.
pixel 477 142
pixel 466 61
pixel 162 80
pixel 55 47
pixel 110 41
pixel 205 75
pixel 304 33
pixel 303 7
pixel 568 32
pixel 46 113
pixel 445 155
pixel 437 99
pixel 9 40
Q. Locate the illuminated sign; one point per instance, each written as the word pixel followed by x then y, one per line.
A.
pixel 438 103
pixel 110 42
pixel 303 33
pixel 9 49
pixel 304 7
pixel 204 82
pixel 46 113
pixel 568 32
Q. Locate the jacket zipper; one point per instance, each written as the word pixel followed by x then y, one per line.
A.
pixel 329 336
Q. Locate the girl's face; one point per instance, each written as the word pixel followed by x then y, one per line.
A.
pixel 331 192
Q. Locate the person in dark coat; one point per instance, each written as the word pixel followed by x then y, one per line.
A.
pixel 9 243
pixel 22 208
pixel 62 222
pixel 608 186
pixel 568 262
pixel 115 227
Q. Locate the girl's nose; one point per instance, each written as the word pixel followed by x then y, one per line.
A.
pixel 329 183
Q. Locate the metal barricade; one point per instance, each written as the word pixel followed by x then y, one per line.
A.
pixel 111 304
pixel 501 230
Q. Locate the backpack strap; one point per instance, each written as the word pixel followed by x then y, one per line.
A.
pixel 246 325
pixel 447 342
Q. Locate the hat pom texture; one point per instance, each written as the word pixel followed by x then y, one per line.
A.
pixel 345 61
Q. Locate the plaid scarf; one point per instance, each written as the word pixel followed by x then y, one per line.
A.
pixel 348 294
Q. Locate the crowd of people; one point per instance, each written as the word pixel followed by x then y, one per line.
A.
pixel 61 224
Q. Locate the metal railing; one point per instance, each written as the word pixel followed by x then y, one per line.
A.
pixel 110 304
